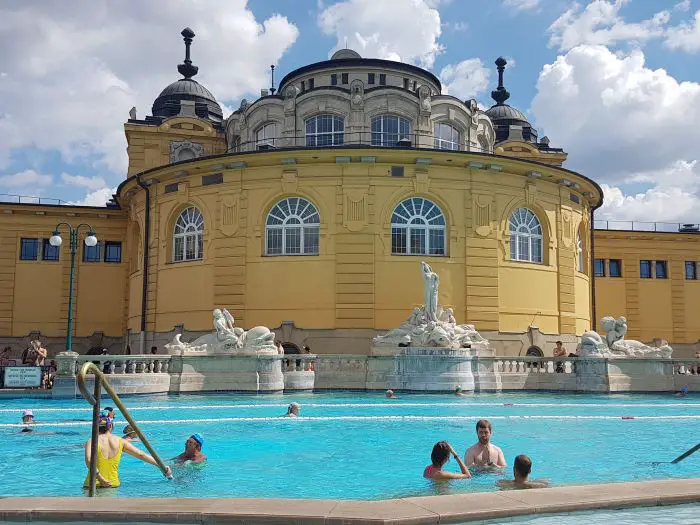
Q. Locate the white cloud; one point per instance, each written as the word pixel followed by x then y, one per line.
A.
pixel 28 179
pixel 98 197
pixel 91 183
pixel 600 23
pixel 76 69
pixel 402 30
pixel 685 36
pixel 626 126
pixel 683 6
pixel 466 79
pixel 522 5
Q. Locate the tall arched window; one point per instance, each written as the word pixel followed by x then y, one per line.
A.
pixel 292 228
pixel 266 134
pixel 525 236
pixel 387 130
pixel 579 253
pixel 446 136
pixel 417 228
pixel 188 237
pixel 325 130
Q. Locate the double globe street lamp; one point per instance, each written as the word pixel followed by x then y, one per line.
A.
pixel 90 242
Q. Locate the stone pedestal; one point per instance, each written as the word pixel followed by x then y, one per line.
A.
pixel 65 383
pixel 296 380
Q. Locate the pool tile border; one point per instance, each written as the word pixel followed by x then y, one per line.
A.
pixel 406 511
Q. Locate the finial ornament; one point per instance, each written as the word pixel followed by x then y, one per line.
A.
pixel 186 69
pixel 500 95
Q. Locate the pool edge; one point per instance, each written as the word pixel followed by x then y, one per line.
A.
pixel 415 510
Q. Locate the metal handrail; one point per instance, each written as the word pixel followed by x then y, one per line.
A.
pixel 94 400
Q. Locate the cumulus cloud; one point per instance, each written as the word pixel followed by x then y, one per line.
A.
pixel 76 69
pixel 98 197
pixel 627 126
pixel 402 30
pixel 91 183
pixel 28 179
pixel 685 36
pixel 522 5
pixel 600 23
pixel 466 79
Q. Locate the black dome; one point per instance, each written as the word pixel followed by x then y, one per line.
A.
pixel 168 102
pixel 505 112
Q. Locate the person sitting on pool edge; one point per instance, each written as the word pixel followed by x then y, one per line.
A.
pixel 441 455
pixel 483 453
pixel 293 410
pixel 109 454
pixel 193 451
pixel 522 466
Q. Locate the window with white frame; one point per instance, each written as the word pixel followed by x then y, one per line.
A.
pixel 579 253
pixel 325 130
pixel 525 236
pixel 417 228
pixel 266 134
pixel 387 130
pixel 446 136
pixel 188 236
pixel 293 227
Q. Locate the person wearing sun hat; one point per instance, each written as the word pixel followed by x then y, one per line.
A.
pixel 193 451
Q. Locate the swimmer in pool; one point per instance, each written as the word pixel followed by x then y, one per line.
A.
pixel 390 394
pixel 440 456
pixel 522 466
pixel 193 451
pixel 109 412
pixel 293 410
pixel 458 391
pixel 129 433
pixel 483 453
pixel 109 454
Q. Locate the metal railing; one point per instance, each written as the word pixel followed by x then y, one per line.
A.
pixel 29 199
pixel 641 226
pixel 94 400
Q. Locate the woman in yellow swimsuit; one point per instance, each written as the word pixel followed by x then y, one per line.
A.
pixel 109 454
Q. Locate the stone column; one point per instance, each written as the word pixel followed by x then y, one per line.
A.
pixel 65 384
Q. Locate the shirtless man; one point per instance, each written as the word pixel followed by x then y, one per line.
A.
pixel 522 466
pixel 484 453
pixel 193 451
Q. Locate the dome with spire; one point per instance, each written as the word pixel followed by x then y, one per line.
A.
pixel 503 115
pixel 168 102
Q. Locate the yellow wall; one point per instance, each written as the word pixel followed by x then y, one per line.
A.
pixel 663 308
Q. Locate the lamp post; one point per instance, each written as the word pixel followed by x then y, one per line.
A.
pixel 56 240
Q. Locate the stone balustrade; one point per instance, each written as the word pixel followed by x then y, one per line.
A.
pixel 127 364
pixel 299 371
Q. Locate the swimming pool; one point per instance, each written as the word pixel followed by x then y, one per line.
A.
pixel 354 445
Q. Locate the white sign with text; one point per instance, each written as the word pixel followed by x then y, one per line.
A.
pixel 22 376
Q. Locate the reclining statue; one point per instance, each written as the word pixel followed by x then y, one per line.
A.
pixel 615 345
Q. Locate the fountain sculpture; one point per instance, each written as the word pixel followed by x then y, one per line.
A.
pixel 615 345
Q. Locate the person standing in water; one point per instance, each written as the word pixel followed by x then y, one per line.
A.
pixel 193 451
pixel 522 466
pixel 293 410
pixel 109 454
pixel 440 455
pixel 484 453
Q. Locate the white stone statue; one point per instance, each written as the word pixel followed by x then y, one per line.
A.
pixel 228 338
pixel 430 326
pixel 615 345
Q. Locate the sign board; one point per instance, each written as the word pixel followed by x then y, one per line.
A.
pixel 22 376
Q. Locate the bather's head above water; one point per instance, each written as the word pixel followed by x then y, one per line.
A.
pixel 293 409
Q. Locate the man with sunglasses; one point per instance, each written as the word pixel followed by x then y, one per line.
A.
pixel 193 451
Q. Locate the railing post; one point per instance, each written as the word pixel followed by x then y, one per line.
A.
pixel 95 437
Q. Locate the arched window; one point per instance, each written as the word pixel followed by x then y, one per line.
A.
pixel 446 137
pixel 525 236
pixel 188 237
pixel 579 250
pixel 266 134
pixel 292 228
pixel 325 130
pixel 387 130
pixel 417 228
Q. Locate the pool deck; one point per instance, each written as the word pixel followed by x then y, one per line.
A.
pixel 456 508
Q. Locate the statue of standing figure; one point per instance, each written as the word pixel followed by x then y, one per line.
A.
pixel 430 293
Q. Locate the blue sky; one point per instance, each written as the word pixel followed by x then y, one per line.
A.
pixel 614 82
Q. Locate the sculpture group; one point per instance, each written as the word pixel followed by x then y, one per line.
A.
pixel 430 325
pixel 228 338
pixel 614 343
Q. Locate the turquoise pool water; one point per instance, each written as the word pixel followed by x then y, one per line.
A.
pixel 354 445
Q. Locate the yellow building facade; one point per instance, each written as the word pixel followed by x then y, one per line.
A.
pixel 309 210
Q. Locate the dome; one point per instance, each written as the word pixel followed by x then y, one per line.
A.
pixel 343 54
pixel 505 112
pixel 168 102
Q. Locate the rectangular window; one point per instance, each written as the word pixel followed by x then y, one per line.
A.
pixel 398 240
pixel 92 253
pixel 49 253
pixel 615 268
pixel 397 171
pixel 645 269
pixel 661 272
pixel 171 188
pixel 405 83
pixel 334 79
pixel 113 252
pixel 344 78
pixel 382 79
pixel 311 83
pixel 691 270
pixel 437 242
pixel 370 78
pixel 311 237
pixel 274 241
pixel 599 267
pixel 214 178
pixel 29 250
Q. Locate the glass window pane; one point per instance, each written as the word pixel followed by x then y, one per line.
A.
pixel 599 267
pixel 645 269
pixel 437 242
pixel 398 240
pixel 92 253
pixel 690 270
pixel 292 240
pixel 274 241
pixel 417 239
pixel 113 252
pixel 50 253
pixel 661 269
pixel 311 238
pixel 615 268
pixel 179 248
pixel 29 249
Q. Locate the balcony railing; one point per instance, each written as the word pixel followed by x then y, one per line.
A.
pixel 28 199
pixel 640 226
